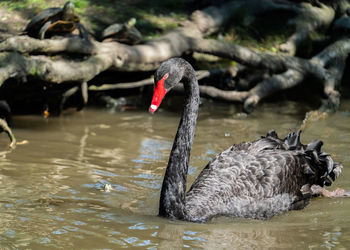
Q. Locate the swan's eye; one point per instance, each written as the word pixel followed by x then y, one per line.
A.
pixel 165 76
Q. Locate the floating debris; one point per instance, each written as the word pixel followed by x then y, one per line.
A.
pixel 107 188
pixel 313 116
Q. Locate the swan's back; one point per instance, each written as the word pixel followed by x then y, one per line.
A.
pixel 260 179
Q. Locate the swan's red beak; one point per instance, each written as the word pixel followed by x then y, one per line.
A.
pixel 158 95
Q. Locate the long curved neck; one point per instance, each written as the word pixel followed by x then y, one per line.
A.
pixel 172 197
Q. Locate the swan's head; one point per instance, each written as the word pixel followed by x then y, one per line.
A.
pixel 169 73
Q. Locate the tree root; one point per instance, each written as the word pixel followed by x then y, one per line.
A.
pixel 75 60
pixel 309 19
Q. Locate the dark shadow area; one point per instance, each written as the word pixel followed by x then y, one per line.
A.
pixel 97 15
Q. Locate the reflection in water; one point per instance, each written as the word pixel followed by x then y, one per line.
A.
pixel 52 191
pixel 151 150
pixel 249 236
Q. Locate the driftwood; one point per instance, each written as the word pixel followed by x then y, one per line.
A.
pixel 72 59
pixel 307 21
pixel 200 75
pixel 5 128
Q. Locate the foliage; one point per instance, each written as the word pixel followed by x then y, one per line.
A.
pixel 153 17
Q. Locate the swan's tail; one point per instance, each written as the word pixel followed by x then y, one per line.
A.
pixel 318 165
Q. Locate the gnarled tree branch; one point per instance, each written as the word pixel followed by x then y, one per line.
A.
pixel 77 60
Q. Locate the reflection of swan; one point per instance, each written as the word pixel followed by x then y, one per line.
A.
pixel 255 179
pixel 221 235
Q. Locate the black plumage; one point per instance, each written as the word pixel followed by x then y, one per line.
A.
pixel 256 179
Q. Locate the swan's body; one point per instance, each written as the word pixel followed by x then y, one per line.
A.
pixel 252 180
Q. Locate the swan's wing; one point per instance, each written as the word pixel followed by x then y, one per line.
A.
pixel 237 173
pixel 269 166
pixel 260 179
pixel 245 185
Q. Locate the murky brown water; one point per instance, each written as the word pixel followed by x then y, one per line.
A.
pixel 51 189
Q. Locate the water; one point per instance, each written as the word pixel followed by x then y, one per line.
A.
pixel 52 195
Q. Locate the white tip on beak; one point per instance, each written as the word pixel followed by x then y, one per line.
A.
pixel 153 108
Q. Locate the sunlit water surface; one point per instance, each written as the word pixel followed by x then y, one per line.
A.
pixel 52 196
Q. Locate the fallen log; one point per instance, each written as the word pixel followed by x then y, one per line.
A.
pixel 73 59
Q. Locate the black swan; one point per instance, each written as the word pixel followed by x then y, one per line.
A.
pixel 256 179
